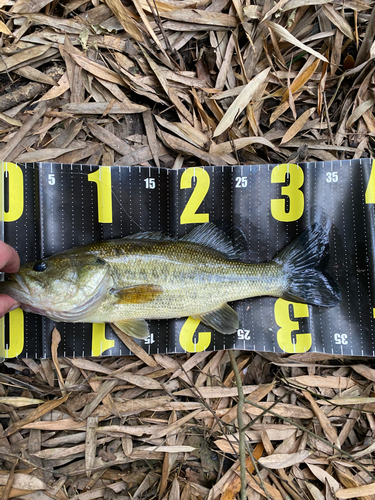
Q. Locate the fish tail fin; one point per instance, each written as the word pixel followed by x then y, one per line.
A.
pixel 303 262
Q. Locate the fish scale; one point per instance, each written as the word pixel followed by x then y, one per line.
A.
pixel 152 276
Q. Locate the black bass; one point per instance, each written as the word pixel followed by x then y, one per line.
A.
pixel 152 276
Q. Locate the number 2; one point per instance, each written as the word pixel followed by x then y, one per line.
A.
pixel 189 215
pixel 187 334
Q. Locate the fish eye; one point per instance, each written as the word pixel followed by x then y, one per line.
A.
pixel 40 266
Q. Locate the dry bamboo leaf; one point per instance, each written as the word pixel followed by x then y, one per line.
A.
pixel 237 144
pixel 300 80
pixel 255 396
pixel 125 16
pixel 328 429
pixel 19 402
pixel 327 382
pixel 90 443
pixel 271 490
pixel 56 339
pixel 338 20
pixel 4 29
pixel 33 415
pixel 357 492
pixel 201 17
pixel 365 371
pixel 283 460
pixel 43 154
pixel 283 33
pixel 174 427
pixel 282 409
pixel 5 152
pixel 217 392
pixel 8 63
pixel 132 345
pixel 139 380
pixel 87 364
pixel 191 363
pixel 186 148
pixel 151 135
pixel 26 7
pixel 98 108
pixel 97 69
pixel 324 477
pixel 11 121
pixel 362 108
pixel 232 486
pixel 314 491
pixel 61 87
pixel 24 481
pixel 241 101
pixel 297 125
pixel 185 131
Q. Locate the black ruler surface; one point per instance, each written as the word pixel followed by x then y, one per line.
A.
pixel 50 207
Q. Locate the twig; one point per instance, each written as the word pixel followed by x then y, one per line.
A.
pixel 241 402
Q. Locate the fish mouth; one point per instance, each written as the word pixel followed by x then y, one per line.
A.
pixel 15 287
pixel 16 278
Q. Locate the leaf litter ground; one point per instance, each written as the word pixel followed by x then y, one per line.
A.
pixel 185 83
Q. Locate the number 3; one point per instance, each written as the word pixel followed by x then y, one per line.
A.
pixel 284 335
pixel 294 174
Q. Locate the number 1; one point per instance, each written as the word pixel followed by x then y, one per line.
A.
pixel 102 179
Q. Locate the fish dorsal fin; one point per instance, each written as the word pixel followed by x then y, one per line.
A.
pixel 224 320
pixel 210 236
pixel 136 328
pixel 149 235
pixel 138 294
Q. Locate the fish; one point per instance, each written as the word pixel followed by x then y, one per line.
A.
pixel 150 275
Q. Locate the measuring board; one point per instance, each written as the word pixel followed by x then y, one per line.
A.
pixel 50 207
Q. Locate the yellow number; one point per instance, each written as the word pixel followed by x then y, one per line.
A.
pixel 16 333
pixel 99 342
pixel 102 178
pixel 280 174
pixel 15 191
pixel 284 335
pixel 370 191
pixel 187 333
pixel 189 215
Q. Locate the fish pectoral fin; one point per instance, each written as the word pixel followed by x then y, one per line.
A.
pixel 224 320
pixel 138 294
pixel 137 328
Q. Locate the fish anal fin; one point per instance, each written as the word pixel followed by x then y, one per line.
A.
pixel 136 328
pixel 224 319
pixel 138 294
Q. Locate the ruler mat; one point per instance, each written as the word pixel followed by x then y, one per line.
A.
pixel 50 207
